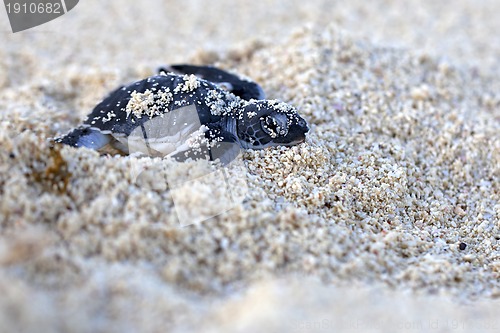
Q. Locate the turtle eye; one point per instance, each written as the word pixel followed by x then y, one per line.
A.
pixel 270 126
pixel 275 126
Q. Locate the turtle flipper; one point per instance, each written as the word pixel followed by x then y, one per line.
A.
pixel 85 137
pixel 243 88
pixel 220 145
pixel 225 150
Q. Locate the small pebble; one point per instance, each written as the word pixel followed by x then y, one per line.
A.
pixel 462 246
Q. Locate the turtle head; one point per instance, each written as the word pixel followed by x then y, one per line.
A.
pixel 270 123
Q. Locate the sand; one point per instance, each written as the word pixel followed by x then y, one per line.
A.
pixel 385 220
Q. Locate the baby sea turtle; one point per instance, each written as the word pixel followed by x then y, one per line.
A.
pixel 188 111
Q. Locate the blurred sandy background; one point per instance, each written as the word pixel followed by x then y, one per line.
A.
pixel 356 230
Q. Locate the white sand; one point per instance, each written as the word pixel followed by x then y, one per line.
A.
pixel 358 229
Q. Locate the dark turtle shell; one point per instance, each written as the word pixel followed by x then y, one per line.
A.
pixel 130 106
